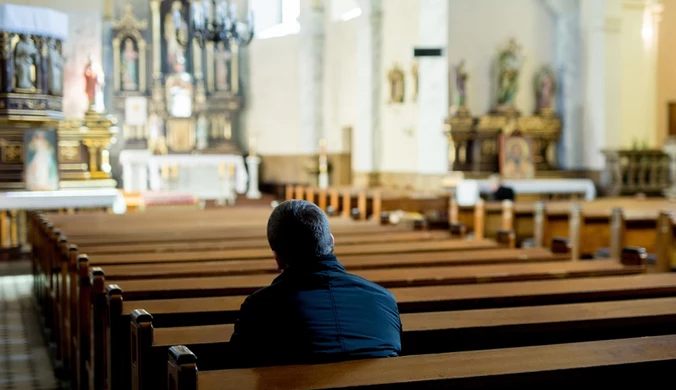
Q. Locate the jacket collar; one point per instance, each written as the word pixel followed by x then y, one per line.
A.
pixel 314 265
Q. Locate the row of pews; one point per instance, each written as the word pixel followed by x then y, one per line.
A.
pixel 141 301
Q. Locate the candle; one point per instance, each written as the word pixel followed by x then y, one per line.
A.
pixel 252 146
pixel 322 146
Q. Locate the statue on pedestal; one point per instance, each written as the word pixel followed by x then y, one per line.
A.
pixel 55 68
pixel 509 62
pixel 25 58
pixel 461 77
pixel 93 84
pixel 545 88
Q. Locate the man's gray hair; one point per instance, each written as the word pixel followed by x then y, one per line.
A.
pixel 298 231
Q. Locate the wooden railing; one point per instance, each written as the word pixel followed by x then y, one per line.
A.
pixel 636 171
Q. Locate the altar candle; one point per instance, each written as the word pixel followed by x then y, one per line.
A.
pixel 252 146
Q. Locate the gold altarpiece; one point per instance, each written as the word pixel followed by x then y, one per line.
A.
pixel 192 93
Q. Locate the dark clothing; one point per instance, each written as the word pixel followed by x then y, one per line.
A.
pixel 503 193
pixel 316 313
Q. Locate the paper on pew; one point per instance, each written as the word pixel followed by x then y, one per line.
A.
pixel 399 216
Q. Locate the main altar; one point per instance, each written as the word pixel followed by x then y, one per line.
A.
pixel 178 97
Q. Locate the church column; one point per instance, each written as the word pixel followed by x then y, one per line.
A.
pixel 601 77
pixel 432 91
pixel 639 73
pixel 311 75
pixel 567 64
pixel 366 140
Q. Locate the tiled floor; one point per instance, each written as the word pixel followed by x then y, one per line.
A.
pixel 24 361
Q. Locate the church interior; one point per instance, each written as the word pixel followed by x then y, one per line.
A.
pixel 512 185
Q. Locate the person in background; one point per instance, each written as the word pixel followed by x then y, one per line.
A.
pixel 314 311
pixel 500 191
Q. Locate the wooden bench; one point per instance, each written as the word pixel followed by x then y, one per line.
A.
pixel 618 362
pixel 425 333
pixel 411 299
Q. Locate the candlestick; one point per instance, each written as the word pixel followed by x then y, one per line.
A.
pixel 252 146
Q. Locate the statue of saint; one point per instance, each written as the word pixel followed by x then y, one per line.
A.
pixel 94 80
pixel 55 69
pixel 175 33
pixel 510 61
pixel 545 88
pixel 461 77
pixel 129 66
pixel 222 59
pixel 25 59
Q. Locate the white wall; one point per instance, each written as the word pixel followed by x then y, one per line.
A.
pixel 399 122
pixel 340 85
pixel 478 29
pixel 273 96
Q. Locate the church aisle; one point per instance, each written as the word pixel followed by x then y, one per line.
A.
pixel 24 361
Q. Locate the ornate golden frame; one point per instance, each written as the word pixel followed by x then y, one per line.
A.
pixel 129 26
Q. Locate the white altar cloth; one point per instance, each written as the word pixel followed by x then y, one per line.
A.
pixel 546 186
pixel 203 183
pixel 63 199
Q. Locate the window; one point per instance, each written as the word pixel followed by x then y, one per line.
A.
pixel 275 18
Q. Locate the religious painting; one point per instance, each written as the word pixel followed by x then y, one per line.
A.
pixel 395 79
pixel 41 170
pixel 516 157
pixel 222 60
pixel 129 61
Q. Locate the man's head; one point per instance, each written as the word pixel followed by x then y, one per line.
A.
pixel 298 231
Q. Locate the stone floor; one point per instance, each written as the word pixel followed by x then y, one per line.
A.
pixel 24 360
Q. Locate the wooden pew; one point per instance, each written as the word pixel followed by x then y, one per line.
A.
pixel 118 321
pixel 426 332
pixel 618 362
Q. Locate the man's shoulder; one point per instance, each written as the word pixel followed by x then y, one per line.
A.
pixel 369 286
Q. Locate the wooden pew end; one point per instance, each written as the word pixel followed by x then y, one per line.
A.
pixel 385 218
pixel 506 237
pixel 141 344
pixel 182 368
pixel 458 229
pixel 634 256
pixel 561 245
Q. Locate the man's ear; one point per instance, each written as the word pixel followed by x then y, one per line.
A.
pixel 280 263
pixel 333 240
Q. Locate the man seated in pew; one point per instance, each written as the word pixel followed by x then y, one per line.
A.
pixel 500 190
pixel 314 311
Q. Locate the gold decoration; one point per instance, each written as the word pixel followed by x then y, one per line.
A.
pixel 5 43
pixel 69 152
pixel 396 79
pixel 12 152
pixel 129 27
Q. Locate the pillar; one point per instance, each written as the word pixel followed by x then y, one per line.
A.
pixel 432 91
pixel 252 162
pixel 311 74
pixel 366 144
pixel 638 111
pixel 567 58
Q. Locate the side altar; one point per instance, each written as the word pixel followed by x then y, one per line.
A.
pixel 178 98
pixel 488 144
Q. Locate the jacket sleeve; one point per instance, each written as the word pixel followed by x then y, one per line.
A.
pixel 242 342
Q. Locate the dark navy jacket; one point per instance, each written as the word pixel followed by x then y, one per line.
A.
pixel 317 313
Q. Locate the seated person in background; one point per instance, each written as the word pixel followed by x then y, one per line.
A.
pixel 314 311
pixel 500 191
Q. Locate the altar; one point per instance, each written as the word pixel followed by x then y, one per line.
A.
pixel 583 187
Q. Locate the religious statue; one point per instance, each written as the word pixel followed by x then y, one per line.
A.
pixel 175 33
pixel 25 59
pixel 396 79
pixel 545 88
pixel 42 171
pixel 94 81
pixel 509 63
pixel 129 66
pixel 222 59
pixel 461 84
pixel 179 93
pixel 55 68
